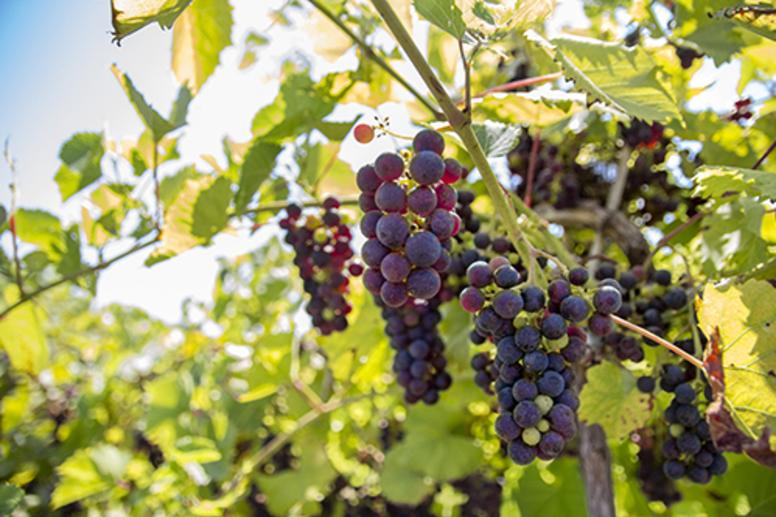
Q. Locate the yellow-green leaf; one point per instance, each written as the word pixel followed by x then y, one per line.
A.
pixel 746 318
pixel 129 16
pixel 610 398
pixel 22 335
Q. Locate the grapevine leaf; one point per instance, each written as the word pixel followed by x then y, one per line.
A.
pixel 256 168
pixel 129 16
pixel 539 108
pixel 455 328
pixel 559 493
pixel 80 156
pixel 745 317
pixel 401 484
pixel 180 108
pixel 610 398
pixel 42 229
pixel 532 12
pixel 22 335
pixel 732 238
pixel 626 79
pixel 198 37
pixel 151 118
pixel 496 139
pixel 10 497
pixel 717 37
pixel 444 14
pixel 89 472
pixel 716 181
pixel 197 214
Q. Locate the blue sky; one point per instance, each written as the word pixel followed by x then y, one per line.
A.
pixel 55 80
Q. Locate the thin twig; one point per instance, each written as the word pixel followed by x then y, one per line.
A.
pixel 371 54
pixel 467 83
pixel 765 155
pixel 532 159
pixel 657 339
pixel 12 219
pixel 520 83
pixel 75 275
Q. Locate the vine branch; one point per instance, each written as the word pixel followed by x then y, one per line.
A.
pixel 371 54
pixel 657 339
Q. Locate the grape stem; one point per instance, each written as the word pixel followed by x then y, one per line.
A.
pixel 371 54
pixel 657 339
pixel 520 83
pixel 461 123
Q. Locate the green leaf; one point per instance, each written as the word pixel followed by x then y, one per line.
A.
pixel 3 215
pixel 539 108
pixel 89 472
pixel 10 497
pixel 81 156
pixel 150 117
pixel 496 139
pixel 401 484
pixel 532 12
pixel 256 168
pixel 760 20
pixel 22 335
pixel 180 108
pixel 610 398
pixel 626 79
pixel 444 14
pixel 168 397
pixel 198 38
pixel 732 238
pixel 715 181
pixel 129 16
pixel 715 37
pixel 550 489
pixel 198 213
pixel 42 229
pixel 746 318
pixel 195 449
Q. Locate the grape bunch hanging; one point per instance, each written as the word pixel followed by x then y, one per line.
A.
pixel 324 257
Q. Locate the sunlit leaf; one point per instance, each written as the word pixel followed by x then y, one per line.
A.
pixel 22 335
pixel 445 14
pixel 151 118
pixel 80 156
pixel 89 472
pixel 129 16
pixel 256 168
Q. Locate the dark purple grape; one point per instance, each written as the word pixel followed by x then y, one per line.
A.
pixel 389 166
pixel 395 267
pixel 528 338
pixel 506 276
pixel 446 196
pixel 373 253
pixel 419 349
pixel 521 453
pixel 628 280
pixel 478 274
pixel 368 224
pixel 562 420
pixel 600 325
pixel 533 299
pixel 574 308
pixel 393 294
pixel 645 384
pixel 428 140
pixel 607 300
pixel 551 383
pixel 687 415
pixel 442 223
pixel 442 264
pixel 426 167
pixel 390 197
pixel 507 352
pixel 568 398
pixel 662 277
pixel 688 443
pixel 718 466
pixel 684 393
pixel 366 202
pixel 423 249
pixel 373 280
pixel 578 276
pixel 524 389
pixel 424 283
pixel 392 231
pixel 698 474
pixel 574 350
pixel 676 298
pixel 674 469
pixel 558 290
pixel 506 428
pixel 605 270
pixel 367 179
pixel 553 326
pixel 472 299
pixel 422 201
pixel 552 444
pixel 453 171
pixel 526 414
pixel 507 304
pixel 535 362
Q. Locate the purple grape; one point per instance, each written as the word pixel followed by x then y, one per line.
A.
pixel 533 299
pixel 393 294
pixel 390 197
pixel 420 369
pixel 472 299
pixel 367 179
pixel 389 166
pixel 536 361
pixel 424 283
pixel 506 428
pixel 373 280
pixel 423 249
pixel 574 308
pixel 419 349
pixel 673 469
pixel 453 171
pixel 719 465
pixel 442 223
pixel 551 383
pixel 478 274
pixel 428 140
pixel 527 338
pixel 446 196
pixel 687 415
pixel 366 202
pixel 607 300
pixel 427 167
pixel 574 350
pixel 373 253
pixel 524 389
pixel 507 304
pixel 558 290
pixel 507 352
pixel 506 401
pixel 568 398
pixel 442 264
pixel 662 277
pixel 506 276
pixel 392 231
pixel 578 276
pixel 684 393
pixel 688 443
pixel 395 267
pixel 368 224
pixel 553 326
pixel 600 325
pixel 526 414
pixel 699 475
pixel 422 201
pixel 552 444
pixel 521 453
pixel 562 420
pixel 645 384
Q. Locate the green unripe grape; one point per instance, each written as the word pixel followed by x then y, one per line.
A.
pixel 543 425
pixel 531 436
pixel 544 403
pixel 676 430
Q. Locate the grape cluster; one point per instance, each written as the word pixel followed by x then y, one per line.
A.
pixel 419 363
pixel 409 221
pixel 689 451
pixel 537 336
pixel 321 243
pixel 653 481
pixel 648 299
pixel 741 110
